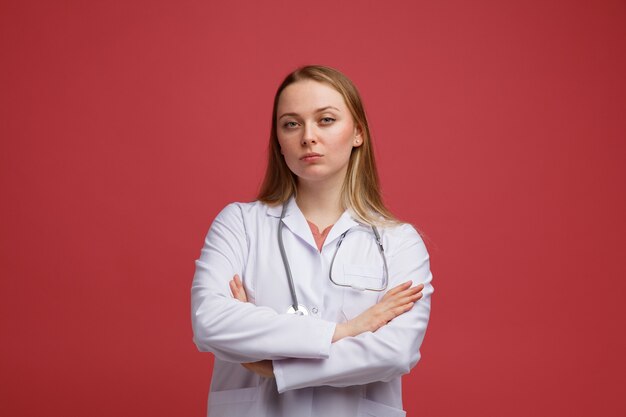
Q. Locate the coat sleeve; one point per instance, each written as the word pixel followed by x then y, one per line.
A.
pixel 241 332
pixel 391 351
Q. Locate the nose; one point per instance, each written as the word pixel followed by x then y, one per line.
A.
pixel 308 136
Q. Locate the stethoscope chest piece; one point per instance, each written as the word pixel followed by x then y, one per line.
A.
pixel 302 311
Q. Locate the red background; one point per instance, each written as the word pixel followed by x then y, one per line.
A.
pixel 500 130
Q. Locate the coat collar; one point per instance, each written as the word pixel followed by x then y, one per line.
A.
pixel 296 222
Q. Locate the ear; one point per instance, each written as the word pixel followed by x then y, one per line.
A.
pixel 358 137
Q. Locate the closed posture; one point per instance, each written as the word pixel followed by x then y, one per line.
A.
pixel 356 376
pixel 335 338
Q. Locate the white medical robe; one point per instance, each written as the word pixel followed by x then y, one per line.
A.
pixel 356 376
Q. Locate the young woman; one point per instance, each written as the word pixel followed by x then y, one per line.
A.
pixel 314 299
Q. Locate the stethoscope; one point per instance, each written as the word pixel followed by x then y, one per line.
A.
pixel 301 310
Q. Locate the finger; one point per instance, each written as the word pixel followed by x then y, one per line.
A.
pixel 416 288
pixel 409 291
pixel 398 288
pixel 242 291
pixel 409 295
pixel 412 290
pixel 238 281
pixel 410 299
pixel 395 298
pixel 402 309
pixel 405 286
pixel 239 295
pixel 238 286
pixel 397 302
pixel 233 288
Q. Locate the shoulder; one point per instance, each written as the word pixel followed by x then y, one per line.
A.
pixel 243 211
pixel 401 236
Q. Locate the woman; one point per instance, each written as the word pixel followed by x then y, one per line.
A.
pixel 361 310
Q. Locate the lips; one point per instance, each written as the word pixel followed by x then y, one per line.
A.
pixel 311 156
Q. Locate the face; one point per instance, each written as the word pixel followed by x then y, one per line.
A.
pixel 316 131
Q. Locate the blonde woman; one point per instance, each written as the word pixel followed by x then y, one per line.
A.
pixel 314 299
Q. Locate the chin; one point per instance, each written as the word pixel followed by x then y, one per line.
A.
pixel 312 178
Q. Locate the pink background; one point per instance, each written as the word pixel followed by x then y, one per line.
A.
pixel 500 131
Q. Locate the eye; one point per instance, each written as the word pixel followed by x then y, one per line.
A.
pixel 327 120
pixel 290 125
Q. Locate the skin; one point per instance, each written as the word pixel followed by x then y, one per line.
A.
pixel 395 302
pixel 313 118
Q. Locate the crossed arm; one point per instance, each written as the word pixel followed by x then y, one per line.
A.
pixel 395 302
pixel 379 345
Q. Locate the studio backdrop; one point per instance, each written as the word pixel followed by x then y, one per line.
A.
pixel 499 129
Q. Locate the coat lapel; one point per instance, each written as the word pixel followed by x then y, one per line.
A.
pixel 294 220
pixel 297 224
pixel 344 223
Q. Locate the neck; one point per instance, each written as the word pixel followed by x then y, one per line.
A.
pixel 320 202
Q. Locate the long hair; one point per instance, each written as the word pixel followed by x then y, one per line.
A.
pixel 361 189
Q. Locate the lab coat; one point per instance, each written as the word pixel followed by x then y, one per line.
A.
pixel 356 376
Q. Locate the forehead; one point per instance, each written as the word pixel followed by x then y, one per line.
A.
pixel 306 96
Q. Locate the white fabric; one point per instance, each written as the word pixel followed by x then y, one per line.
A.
pixel 356 376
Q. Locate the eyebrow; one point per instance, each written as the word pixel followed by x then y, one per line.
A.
pixel 316 111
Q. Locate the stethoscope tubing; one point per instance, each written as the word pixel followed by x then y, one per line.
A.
pixel 298 309
pixel 292 288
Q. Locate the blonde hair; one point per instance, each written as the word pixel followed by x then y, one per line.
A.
pixel 361 190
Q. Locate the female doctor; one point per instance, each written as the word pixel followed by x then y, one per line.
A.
pixel 314 299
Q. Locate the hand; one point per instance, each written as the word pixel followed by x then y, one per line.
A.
pixel 263 368
pixel 395 302
pixel 236 287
